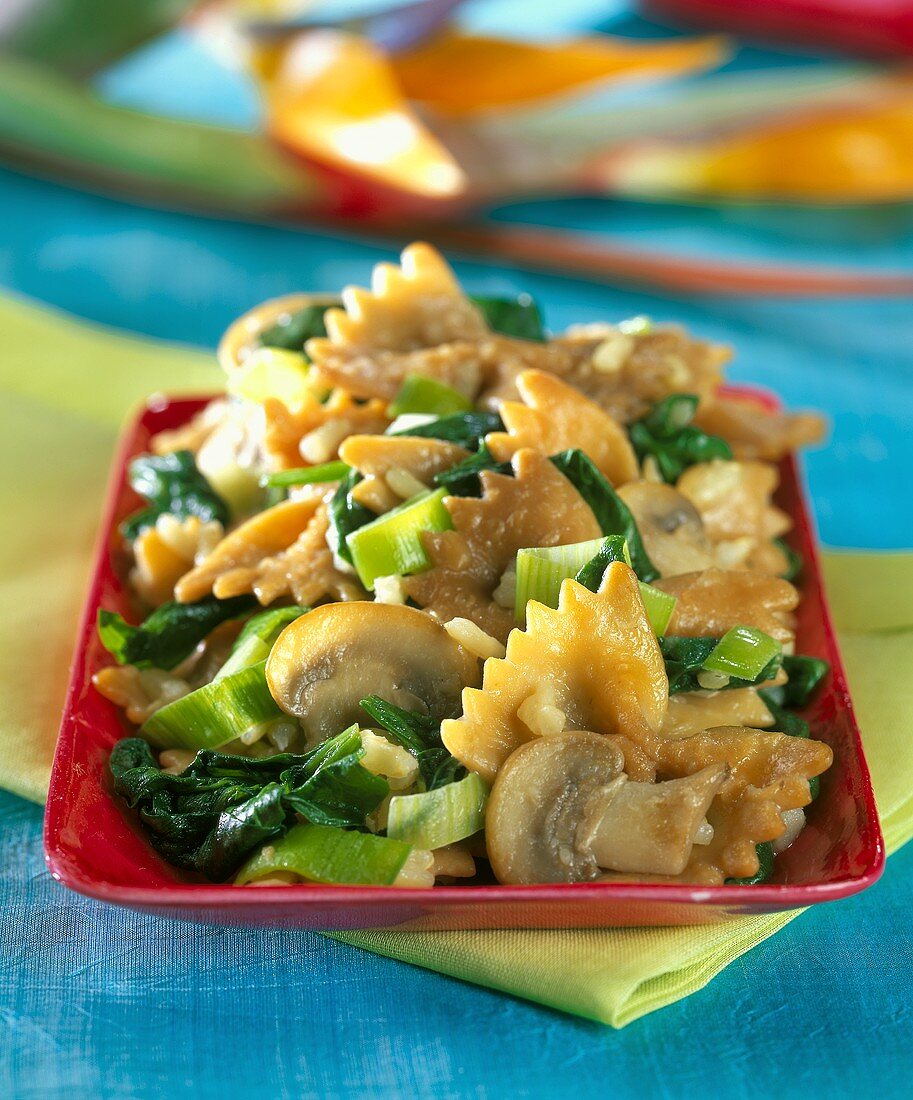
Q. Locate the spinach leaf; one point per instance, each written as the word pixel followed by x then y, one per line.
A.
pixel 666 433
pixel 420 735
pixel 518 317
pixel 611 512
pixel 466 429
pixel 462 480
pixel 346 515
pixel 171 483
pixel 805 676
pixel 590 576
pixel 294 332
pixel 794 561
pixel 222 807
pixel 684 659
pixel 170 633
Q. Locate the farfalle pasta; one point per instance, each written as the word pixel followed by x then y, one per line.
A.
pixel 433 595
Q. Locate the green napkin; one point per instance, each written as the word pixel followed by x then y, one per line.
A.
pixel 65 388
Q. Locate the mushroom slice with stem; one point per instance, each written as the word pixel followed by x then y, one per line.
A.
pixel 324 663
pixel 562 809
pixel 670 527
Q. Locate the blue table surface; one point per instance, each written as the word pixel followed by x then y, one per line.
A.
pixel 99 1002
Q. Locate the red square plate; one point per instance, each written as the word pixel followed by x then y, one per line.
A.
pixel 93 846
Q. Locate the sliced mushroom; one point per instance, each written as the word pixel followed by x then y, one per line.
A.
pixel 649 828
pixel 244 335
pixel 536 805
pixel 562 809
pixel 324 663
pixel 670 527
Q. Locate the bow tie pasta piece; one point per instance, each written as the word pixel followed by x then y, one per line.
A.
pixel 555 417
pixel 734 500
pixel 281 551
pixel 312 433
pixel 716 600
pixel 756 432
pixel 536 507
pixel 384 459
pixel 594 664
pixel 694 711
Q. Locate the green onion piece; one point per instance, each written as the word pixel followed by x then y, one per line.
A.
pixel 216 713
pixel 272 372
pixel 426 395
pixel 659 605
pixel 541 569
pixel 322 853
pixel 636 326
pixel 256 639
pixel 308 475
pixel 744 652
pixel 392 543
pixel 443 816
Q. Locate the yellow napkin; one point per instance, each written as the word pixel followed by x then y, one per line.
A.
pixel 64 389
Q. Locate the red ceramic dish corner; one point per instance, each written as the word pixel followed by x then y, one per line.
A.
pixel 93 847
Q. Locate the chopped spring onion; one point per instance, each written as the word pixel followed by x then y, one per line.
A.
pixel 321 853
pixel 426 395
pixel 744 652
pixel 443 816
pixel 392 543
pixel 216 713
pixel 541 569
pixel 308 475
pixel 659 605
pixel 636 326
pixel 272 372
pixel 256 639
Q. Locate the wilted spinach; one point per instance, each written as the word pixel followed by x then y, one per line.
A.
pixel 463 480
pixel 611 512
pixel 465 429
pixel 612 549
pixel 666 433
pixel 419 734
pixel 170 633
pixel 346 515
pixel 299 327
pixel 518 317
pixel 684 659
pixel 171 484
pixel 209 818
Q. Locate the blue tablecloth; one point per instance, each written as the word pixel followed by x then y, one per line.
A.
pixel 99 1002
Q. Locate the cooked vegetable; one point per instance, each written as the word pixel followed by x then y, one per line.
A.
pixel 541 570
pixel 685 666
pixel 743 652
pixel 257 636
pixel 517 317
pixel 324 663
pixel 293 330
pixel 659 605
pixel 670 527
pixel 611 512
pixel 231 707
pixel 346 515
pixel 309 475
pixel 561 809
pixel 667 434
pixel 421 735
pixel 392 543
pixel 805 677
pixel 462 480
pixel 171 483
pixel 319 853
pixel 212 815
pixel 419 394
pixel 436 818
pixel 466 429
pixel 170 633
pixel 273 372
pixel 794 562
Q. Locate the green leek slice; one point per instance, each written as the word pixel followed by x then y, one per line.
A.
pixel 426 395
pixel 216 713
pixel 308 475
pixel 392 543
pixel 272 372
pixel 256 639
pixel 443 816
pixel 322 853
pixel 659 605
pixel 744 652
pixel 541 570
